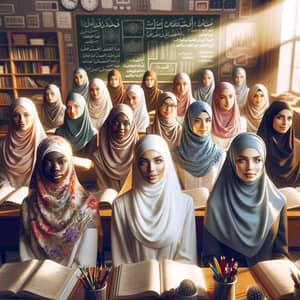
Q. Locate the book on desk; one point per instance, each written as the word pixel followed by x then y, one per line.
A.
pixel 14 198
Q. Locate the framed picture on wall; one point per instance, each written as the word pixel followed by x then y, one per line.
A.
pixel 215 4
pixel 229 4
pixel 201 5
pixel 32 21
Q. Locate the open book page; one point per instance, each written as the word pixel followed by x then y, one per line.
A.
pixel 5 191
pixel 292 196
pixel 173 272
pixel 15 199
pixel 14 275
pixel 199 195
pixel 138 278
pixel 107 197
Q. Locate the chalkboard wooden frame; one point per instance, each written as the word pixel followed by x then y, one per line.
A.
pixel 134 43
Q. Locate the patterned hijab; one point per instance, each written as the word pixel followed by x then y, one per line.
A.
pixel 205 93
pixel 240 214
pixel 55 215
pixel 283 159
pixel 196 154
pixel 183 101
pixel 84 88
pixel 168 128
pixel 155 209
pixel 151 94
pixel 99 107
pixel 254 114
pixel 116 93
pixel 78 132
pixel 52 114
pixel 225 124
pixel 242 90
pixel 19 147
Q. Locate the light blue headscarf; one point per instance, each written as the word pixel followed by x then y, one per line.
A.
pixel 196 154
pixel 205 93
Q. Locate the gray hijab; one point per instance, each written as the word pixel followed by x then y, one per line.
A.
pixel 239 214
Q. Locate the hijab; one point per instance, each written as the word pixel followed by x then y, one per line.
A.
pixel 19 147
pixel 253 113
pixel 283 160
pixel 55 215
pixel 78 132
pixel 84 88
pixel 225 124
pixel 116 93
pixel 196 154
pixel 154 209
pixel 203 92
pixel 52 114
pixel 240 90
pixel 99 107
pixel 240 214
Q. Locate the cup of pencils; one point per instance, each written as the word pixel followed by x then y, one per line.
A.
pixel 225 278
pixel 94 280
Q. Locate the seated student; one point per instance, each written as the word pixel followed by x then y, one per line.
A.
pixel 283 159
pixel 77 127
pixel 115 86
pixel 52 110
pixel 80 82
pixel 155 219
pixel 135 98
pixel 98 102
pixel 206 87
pixel 226 121
pixel 255 107
pixel 18 147
pixel 198 160
pixel 239 80
pixel 60 219
pixel 114 156
pixel 151 90
pixel 246 214
pixel 165 121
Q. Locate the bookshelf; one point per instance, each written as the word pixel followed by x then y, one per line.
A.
pixel 29 60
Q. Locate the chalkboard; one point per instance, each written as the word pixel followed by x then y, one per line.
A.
pixel 133 44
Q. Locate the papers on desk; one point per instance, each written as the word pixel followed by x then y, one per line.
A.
pixel 292 196
pixel 15 198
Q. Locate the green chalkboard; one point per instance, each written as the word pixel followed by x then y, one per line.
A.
pixel 133 44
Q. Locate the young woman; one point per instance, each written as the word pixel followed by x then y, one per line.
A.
pixel 115 86
pixel 239 79
pixel 255 107
pixel 226 121
pixel 246 214
pixel 206 87
pixel 98 102
pixel 283 159
pixel 155 219
pixel 18 147
pixel 60 219
pixel 165 121
pixel 80 82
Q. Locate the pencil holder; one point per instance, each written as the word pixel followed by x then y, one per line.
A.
pixel 224 290
pixel 99 294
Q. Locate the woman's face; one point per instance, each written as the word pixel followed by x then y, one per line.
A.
pixel 22 119
pixel 50 96
pixel 73 110
pixel 79 79
pixel 181 87
pixel 206 80
pixel 120 127
pixel 239 79
pixel 168 109
pixel 149 81
pixel 114 81
pixel 152 166
pixel 94 91
pixel 282 122
pixel 249 164
pixel 202 124
pixel 226 100
pixel 132 99
pixel 258 99
pixel 55 167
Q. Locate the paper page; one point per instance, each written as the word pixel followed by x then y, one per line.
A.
pixel 107 197
pixel 292 196
pixel 5 191
pixel 17 197
pixel 199 195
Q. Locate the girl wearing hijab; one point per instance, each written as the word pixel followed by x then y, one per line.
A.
pixel 77 127
pixel 135 98
pixel 98 102
pixel 240 85
pixel 283 159
pixel 115 86
pixel 52 110
pixel 81 82
pixel 182 89
pixel 206 88
pixel 227 121
pixel 255 107
pixel 197 158
pixel 113 158
pixel 246 214
pixel 165 121
pixel 60 219
pixel 155 219
pixel 18 147
pixel 151 90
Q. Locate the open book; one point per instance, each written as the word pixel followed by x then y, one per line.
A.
pixel 151 278
pixel 106 198
pixel 292 196
pixel 42 279
pixel 274 276
pixel 15 198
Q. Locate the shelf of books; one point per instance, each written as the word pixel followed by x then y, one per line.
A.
pixel 28 62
